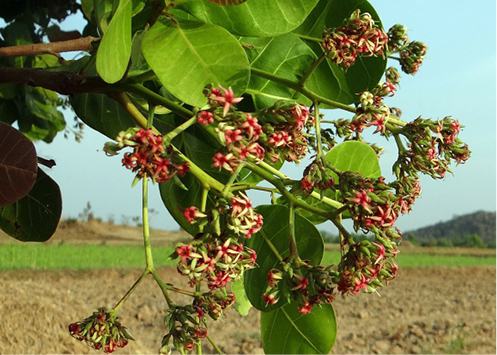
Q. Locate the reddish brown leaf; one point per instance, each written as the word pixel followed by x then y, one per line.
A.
pixel 18 165
pixel 227 2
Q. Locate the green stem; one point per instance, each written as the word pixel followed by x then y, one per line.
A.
pixel 234 175
pixel 200 174
pixel 310 38
pixel 311 69
pixel 395 120
pixel 395 58
pixel 314 194
pixel 281 187
pixel 118 305
pixel 164 288
pixel 306 92
pixel 273 248
pixel 146 228
pixel 294 254
pixel 181 128
pixel 239 187
pixel 159 99
pixel 317 128
pixel 400 145
pixel 219 351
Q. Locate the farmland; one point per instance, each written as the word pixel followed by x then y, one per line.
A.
pixel 442 302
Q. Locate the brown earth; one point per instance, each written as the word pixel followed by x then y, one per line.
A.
pixel 423 311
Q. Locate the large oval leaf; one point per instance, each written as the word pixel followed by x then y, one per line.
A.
pixel 288 57
pixel 18 165
pixel 355 156
pixel 257 18
pixel 114 50
pixel 366 72
pixel 101 113
pixel 286 331
pixel 275 230
pixel 35 217
pixel 189 55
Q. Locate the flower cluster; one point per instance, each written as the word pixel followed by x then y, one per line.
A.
pixel 432 148
pixel 359 35
pixel 306 284
pixel 411 53
pixel 187 325
pixel 317 175
pixel 214 259
pixel 412 56
pixel 285 137
pixel 185 329
pixel 241 217
pixel 244 136
pixel 149 157
pixel 368 265
pixel 101 330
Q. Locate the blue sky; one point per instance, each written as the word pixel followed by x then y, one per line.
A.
pixel 457 79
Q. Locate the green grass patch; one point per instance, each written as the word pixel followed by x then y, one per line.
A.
pixel 84 256
pixel 78 257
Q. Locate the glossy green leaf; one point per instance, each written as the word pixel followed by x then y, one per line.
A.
pixel 114 50
pixel 189 55
pixel 35 217
pixel 257 18
pixel 275 230
pixel 355 156
pixel 242 304
pixel 101 113
pixel 288 57
pixel 367 72
pixel 286 331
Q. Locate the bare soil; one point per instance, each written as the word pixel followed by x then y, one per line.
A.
pixel 423 311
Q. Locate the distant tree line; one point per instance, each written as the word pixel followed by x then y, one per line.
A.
pixel 475 229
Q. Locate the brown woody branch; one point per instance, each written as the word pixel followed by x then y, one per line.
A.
pixel 79 44
pixel 63 82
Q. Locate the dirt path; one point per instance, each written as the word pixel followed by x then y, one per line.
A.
pixel 423 311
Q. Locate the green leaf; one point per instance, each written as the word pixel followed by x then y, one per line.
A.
pixel 101 113
pixel 257 18
pixel 189 55
pixel 114 50
pixel 242 304
pixel 275 230
pixel 355 156
pixel 288 57
pixel 35 217
pixel 366 72
pixel 286 331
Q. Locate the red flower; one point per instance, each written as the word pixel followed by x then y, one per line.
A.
pixel 306 308
pixel 362 199
pixel 184 252
pixel 306 184
pixel 226 99
pixel 232 136
pixel 205 118
pixel 192 214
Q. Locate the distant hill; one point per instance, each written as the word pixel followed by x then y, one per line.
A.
pixel 473 229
